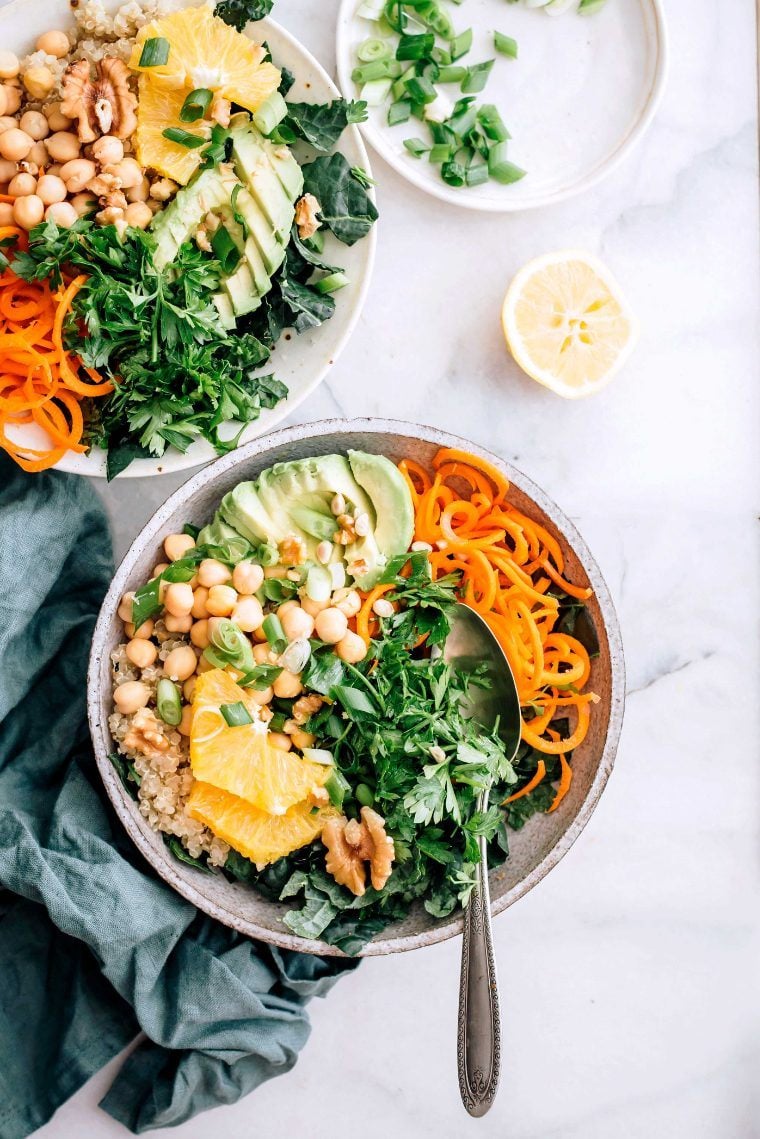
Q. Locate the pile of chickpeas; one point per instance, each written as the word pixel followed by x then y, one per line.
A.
pixel 214 593
pixel 45 168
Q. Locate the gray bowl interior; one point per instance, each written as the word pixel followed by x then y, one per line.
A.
pixel 533 851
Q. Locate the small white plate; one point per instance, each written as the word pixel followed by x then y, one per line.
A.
pixel 300 361
pixel 576 100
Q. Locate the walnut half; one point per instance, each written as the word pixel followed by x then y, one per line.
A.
pixel 103 105
pixel 351 844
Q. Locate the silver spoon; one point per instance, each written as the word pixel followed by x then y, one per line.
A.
pixel 472 643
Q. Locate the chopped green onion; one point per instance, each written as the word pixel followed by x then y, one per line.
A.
pixel 377 69
pixel 464 118
pixel 453 173
pixel 337 787
pixel 373 49
pixel 415 47
pixel 331 283
pixel 441 152
pixel 316 242
pixel 477 175
pixel 399 112
pixel 436 19
pixel 236 715
pixel 492 123
pixel 505 44
pixel 452 74
pixel 227 253
pixel 477 77
pixel 375 92
pixel 460 45
pixel 229 645
pixel 441 57
pixel 155 52
pixel 278 722
pixel 416 147
pixel 196 104
pixel 364 795
pixel 274 632
pixel 420 90
pixel 371 9
pixel 500 168
pixel 588 7
pixel 168 702
pixel 184 138
pixel 236 212
pixel 260 677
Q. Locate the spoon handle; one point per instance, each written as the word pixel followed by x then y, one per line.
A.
pixel 479 1029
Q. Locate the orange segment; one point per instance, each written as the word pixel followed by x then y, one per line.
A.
pixel 240 760
pixel 206 52
pixel 159 109
pixel 261 837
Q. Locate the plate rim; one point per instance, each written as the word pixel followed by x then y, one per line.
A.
pixel 406 170
pixel 101 736
pixel 68 464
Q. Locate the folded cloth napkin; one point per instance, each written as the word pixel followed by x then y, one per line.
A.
pixel 94 949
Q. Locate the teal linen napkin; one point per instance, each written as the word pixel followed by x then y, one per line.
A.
pixel 94 949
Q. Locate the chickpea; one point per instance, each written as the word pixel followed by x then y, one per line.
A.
pixel 77 173
pixel 21 185
pixel 248 614
pixel 63 146
pixel 6 213
pixel 348 601
pixel 83 203
pixel 35 124
pixel 211 572
pixel 313 608
pixel 3 101
pixel 177 545
pixel 247 577
pixel 200 597
pixel 178 599
pixel 261 695
pixel 331 625
pixel 178 624
pixel 7 123
pixel 38 154
pixel 56 120
pixel 128 171
pixel 139 194
pixel 188 688
pixel 183 727
pixel 8 170
pixel 108 150
pixel 288 685
pixel 163 189
pixel 141 653
pixel 62 213
pixel 204 665
pixel 275 571
pixel 29 211
pixel 280 741
pixel 296 622
pixel 180 663
pixel 222 599
pixel 145 630
pixel 15 144
pixel 302 739
pixel 262 653
pixel 51 189
pixel 125 606
pixel 12 99
pixel 9 65
pixel 54 43
pixel 53 168
pixel 199 634
pixel 158 569
pixel 39 82
pixel 138 214
pixel 130 696
pixel 351 648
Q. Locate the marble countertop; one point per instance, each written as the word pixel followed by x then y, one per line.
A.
pixel 629 975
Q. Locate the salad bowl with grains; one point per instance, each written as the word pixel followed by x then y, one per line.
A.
pixel 186 230
pixel 274 715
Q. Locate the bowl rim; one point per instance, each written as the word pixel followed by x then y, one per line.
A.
pixel 378 140
pixel 138 830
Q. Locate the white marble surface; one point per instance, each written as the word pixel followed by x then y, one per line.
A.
pixel 629 977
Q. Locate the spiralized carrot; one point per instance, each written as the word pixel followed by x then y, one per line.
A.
pixel 531 785
pixel 509 562
pixel 41 382
pixel 365 614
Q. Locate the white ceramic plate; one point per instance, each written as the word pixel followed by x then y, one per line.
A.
pixel 577 99
pixel 300 361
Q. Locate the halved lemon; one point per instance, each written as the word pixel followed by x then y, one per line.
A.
pixel 240 760
pixel 204 52
pixel 567 323
pixel 259 836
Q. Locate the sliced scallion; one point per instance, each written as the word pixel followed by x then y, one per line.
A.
pixel 227 253
pixel 274 632
pixel 236 715
pixel 331 283
pixel 420 90
pixel 505 44
pixel 460 45
pixel 477 77
pixel 500 168
pixel 372 50
pixel 184 138
pixel 453 173
pixel 196 104
pixel 477 174
pixel 441 152
pixel 399 112
pixel 155 52
pixel 452 74
pixel 416 147
pixel 375 92
pixel 168 702
pixel 376 69
pixel 415 47
pixel 492 123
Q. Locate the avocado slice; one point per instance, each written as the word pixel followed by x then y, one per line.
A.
pixel 267 241
pixel 242 509
pixel 225 309
pixel 243 290
pixel 208 190
pixel 286 168
pixel 258 174
pixel 391 500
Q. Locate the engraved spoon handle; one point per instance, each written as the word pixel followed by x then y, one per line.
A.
pixel 479 1029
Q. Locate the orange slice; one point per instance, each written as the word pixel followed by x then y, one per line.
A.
pixel 261 837
pixel 241 760
pixel 157 110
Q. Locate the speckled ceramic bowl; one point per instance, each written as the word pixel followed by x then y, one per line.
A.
pixel 534 850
